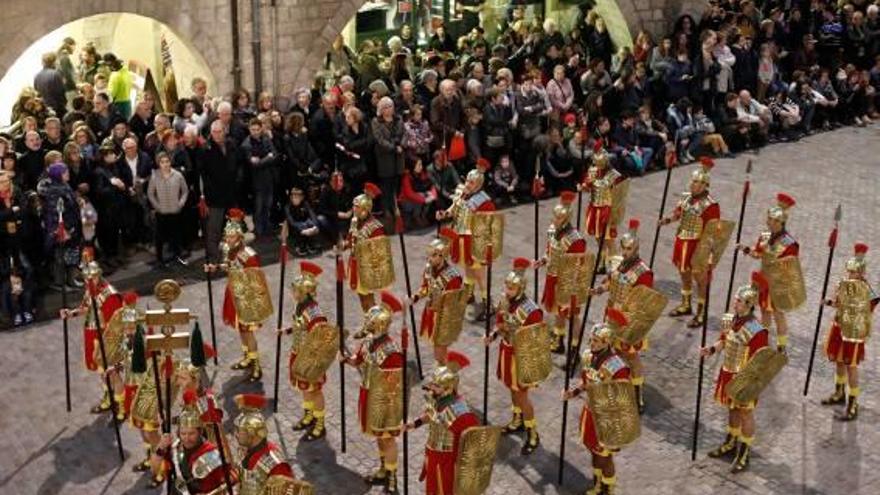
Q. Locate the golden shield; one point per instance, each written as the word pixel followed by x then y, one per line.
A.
pixel 854 310
pixel 384 399
pixel 145 404
pixel 615 413
pixel 375 267
pixel 787 290
pixel 114 341
pixel 486 227
pixel 642 307
pixel 619 193
pixel 250 295
pixel 761 369
pixel 450 316
pixel 531 352
pixel 574 273
pixel 476 456
pixel 713 242
pixel 284 485
pixel 316 353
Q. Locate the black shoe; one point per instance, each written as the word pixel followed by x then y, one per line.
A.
pixel 377 478
pixel 726 449
pixel 559 345
pixel 741 463
pixel 532 441
pixel 838 397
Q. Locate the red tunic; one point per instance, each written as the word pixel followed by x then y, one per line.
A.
pixel 311 315
pixel 758 337
pixel 611 367
pixel 846 352
pixel 519 313
pixel 438 471
pixel 577 244
pixel 384 351
pixel 109 301
pixel 451 279
pixel 244 257
pixel 597 217
pixel 683 249
pixel 371 229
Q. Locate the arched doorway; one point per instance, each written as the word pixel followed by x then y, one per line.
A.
pixel 163 61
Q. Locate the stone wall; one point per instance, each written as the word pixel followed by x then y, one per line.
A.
pixel 305 29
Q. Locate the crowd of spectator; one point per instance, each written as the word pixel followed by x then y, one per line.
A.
pixel 82 167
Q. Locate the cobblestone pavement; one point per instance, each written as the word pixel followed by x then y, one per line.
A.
pixel 800 448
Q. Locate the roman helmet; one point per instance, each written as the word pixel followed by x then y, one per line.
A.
pixel 189 417
pixel 250 420
pixel 779 212
pixel 444 380
pixel 602 334
pixel 234 223
pixel 751 293
pixel 562 211
pixel 306 283
pixel 363 203
pixel 476 177
pixel 630 239
pixel 129 309
pixel 600 156
pixel 857 263
pixel 442 244
pixel 701 175
pixel 378 319
pixel 90 268
pixel 516 279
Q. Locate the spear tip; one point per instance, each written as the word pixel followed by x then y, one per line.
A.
pixel 838 213
pixel 749 166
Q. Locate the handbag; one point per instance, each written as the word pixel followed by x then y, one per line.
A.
pixel 456 148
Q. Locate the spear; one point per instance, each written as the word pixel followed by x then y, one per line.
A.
pixel 398 226
pixel 568 364
pixel 283 256
pixel 113 404
pixel 404 346
pixel 580 190
pixel 60 238
pixel 210 289
pixel 537 189
pixel 340 322
pixel 670 164
pixel 832 243
pixel 570 371
pixel 488 332
pixel 702 360
pixel 739 229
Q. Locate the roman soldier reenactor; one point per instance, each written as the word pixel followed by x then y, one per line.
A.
pixel 563 239
pixel 307 315
pixel 439 277
pixel 628 271
pixel 742 338
pixel 447 415
pixel 600 181
pixel 854 300
pixel 239 257
pixel 381 361
pixel 516 312
pixel 601 365
pixel 364 227
pixel 470 199
pixel 109 302
pixel 262 469
pixel 695 209
pixel 196 459
pixel 778 252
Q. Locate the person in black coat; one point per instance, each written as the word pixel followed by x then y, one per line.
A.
pixel 220 171
pixel 114 188
pixel 322 128
pixel 260 156
pixel 31 164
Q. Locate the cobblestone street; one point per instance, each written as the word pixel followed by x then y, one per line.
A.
pixel 799 447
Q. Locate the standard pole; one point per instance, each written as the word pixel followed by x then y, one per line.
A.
pixel 404 341
pixel 412 313
pixel 739 229
pixel 283 255
pixel 60 260
pixel 488 331
pixel 571 370
pixel 669 165
pixel 340 322
pixel 210 291
pixel 702 362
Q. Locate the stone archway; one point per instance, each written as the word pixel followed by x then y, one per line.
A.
pixel 199 21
